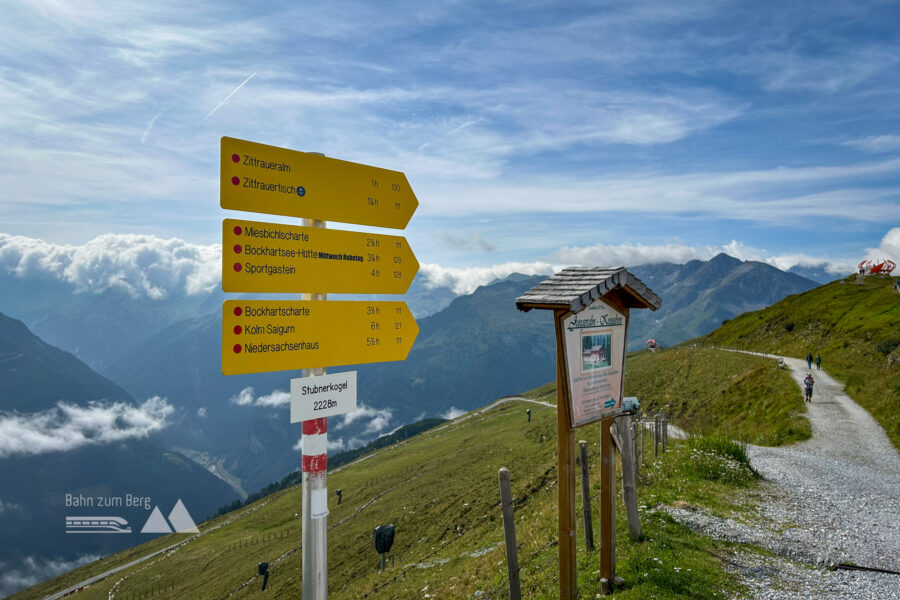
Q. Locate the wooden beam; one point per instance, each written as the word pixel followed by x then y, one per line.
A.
pixel 565 451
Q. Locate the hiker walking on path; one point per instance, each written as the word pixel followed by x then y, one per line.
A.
pixel 809 360
pixel 818 362
pixel 808 384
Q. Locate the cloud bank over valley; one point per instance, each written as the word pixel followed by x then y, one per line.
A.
pixel 67 426
pixel 149 267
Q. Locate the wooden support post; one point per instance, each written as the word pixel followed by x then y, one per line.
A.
pixel 656 435
pixel 643 429
pixel 634 447
pixel 629 494
pixel 607 502
pixel 586 497
pixel 665 432
pixel 565 469
pixel 509 534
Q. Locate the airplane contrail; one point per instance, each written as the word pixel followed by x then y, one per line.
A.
pixel 233 92
pixel 149 127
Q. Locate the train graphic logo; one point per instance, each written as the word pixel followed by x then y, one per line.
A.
pixel 97 525
pixel 179 521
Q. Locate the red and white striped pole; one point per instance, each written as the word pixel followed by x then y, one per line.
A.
pixel 315 490
pixel 315 445
pixel 315 509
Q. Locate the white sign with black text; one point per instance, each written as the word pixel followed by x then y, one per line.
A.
pixel 322 396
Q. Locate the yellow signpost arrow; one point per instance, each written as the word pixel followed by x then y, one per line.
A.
pixel 268 257
pixel 266 335
pixel 267 179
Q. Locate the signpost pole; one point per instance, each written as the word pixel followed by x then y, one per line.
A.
pixel 272 258
pixel 565 469
pixel 315 491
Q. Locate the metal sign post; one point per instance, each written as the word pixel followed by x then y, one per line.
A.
pixel 266 335
pixel 315 490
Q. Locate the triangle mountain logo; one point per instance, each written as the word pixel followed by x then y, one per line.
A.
pixel 156 523
pixel 179 518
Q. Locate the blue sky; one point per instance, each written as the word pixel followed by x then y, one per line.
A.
pixel 533 133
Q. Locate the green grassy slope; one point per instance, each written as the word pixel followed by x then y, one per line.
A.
pixel 745 397
pixel 854 325
pixel 710 391
pixel 440 490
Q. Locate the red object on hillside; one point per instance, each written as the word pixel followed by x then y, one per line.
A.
pixel 868 267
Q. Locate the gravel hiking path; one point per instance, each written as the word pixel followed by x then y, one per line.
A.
pixel 833 499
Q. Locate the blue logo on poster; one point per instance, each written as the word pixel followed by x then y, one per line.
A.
pixel 609 403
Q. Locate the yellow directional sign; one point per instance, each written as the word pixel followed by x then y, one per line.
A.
pixel 266 335
pixel 266 179
pixel 268 257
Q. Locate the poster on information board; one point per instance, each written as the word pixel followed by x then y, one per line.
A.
pixel 595 341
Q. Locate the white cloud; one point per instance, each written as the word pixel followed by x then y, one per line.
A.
pixel 243 398
pixel 889 247
pixel 628 255
pixel 789 70
pixel 639 254
pixel 201 412
pixel 32 570
pixel 276 398
pixel 247 397
pixel 465 280
pixel 378 418
pixel 768 196
pixel 141 265
pixel 876 143
pixel 68 426
pixel 471 242
pixel 378 424
pixel 452 413
pixel 7 506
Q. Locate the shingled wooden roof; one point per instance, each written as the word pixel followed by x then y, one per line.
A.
pixel 574 288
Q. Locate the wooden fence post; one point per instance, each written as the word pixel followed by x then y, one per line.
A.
pixel 586 497
pixel 509 534
pixel 634 445
pixel 656 435
pixel 643 429
pixel 628 489
pixel 665 432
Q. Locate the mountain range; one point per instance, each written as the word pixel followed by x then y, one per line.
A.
pixel 699 295
pixel 475 348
